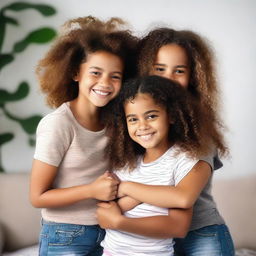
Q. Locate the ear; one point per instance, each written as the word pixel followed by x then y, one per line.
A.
pixel 76 78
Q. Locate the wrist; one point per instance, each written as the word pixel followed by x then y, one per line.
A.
pixel 119 222
pixel 124 189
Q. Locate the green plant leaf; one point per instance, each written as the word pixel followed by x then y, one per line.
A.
pixel 32 142
pixel 6 137
pixel 29 125
pixel 2 29
pixel 20 93
pixel 11 21
pixel 5 59
pixel 44 9
pixel 40 36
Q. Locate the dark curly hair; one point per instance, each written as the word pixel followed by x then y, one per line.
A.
pixel 77 39
pixel 202 84
pixel 187 130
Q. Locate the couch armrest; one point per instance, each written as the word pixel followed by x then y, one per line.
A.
pixel 20 221
pixel 236 202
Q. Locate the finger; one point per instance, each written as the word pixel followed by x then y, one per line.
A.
pixel 114 176
pixel 106 174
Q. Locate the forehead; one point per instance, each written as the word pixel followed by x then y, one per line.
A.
pixel 172 52
pixel 104 57
pixel 142 102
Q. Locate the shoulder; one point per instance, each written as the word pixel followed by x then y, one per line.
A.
pixel 58 119
pixel 180 159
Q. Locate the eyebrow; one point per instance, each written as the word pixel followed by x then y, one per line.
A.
pixel 98 68
pixel 146 113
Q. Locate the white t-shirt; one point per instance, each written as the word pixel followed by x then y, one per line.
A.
pixel 79 155
pixel 169 169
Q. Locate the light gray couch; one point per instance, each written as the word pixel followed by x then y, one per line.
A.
pixel 20 222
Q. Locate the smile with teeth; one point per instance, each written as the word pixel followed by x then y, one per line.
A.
pixel 146 137
pixel 101 93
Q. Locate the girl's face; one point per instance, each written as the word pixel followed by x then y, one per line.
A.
pixel 148 123
pixel 99 78
pixel 172 63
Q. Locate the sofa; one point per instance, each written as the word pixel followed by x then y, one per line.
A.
pixel 20 222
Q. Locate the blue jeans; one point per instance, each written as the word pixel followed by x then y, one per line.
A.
pixel 214 240
pixel 70 239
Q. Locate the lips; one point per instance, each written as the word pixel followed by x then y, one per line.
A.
pixel 146 137
pixel 101 93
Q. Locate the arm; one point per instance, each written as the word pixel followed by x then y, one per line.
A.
pixel 183 195
pixel 127 203
pixel 176 224
pixel 43 195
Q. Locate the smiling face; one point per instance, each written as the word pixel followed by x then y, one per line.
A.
pixel 99 78
pixel 148 124
pixel 172 63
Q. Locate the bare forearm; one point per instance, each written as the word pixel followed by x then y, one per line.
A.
pixel 176 225
pixel 61 196
pixel 127 203
pixel 162 196
pixel 183 195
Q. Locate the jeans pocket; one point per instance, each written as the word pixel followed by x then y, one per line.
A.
pixel 205 232
pixel 63 235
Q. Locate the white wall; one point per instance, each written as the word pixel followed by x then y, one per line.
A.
pixel 228 24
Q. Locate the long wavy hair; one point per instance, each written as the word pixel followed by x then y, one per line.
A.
pixel 77 38
pixel 202 84
pixel 187 130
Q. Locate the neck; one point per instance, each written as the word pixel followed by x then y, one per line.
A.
pixel 87 116
pixel 153 154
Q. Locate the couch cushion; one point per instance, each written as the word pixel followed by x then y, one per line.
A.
pixel 20 221
pixel 236 201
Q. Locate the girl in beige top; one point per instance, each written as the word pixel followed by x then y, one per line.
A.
pixel 81 73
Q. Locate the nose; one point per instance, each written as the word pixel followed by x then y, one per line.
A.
pixel 168 75
pixel 104 82
pixel 143 125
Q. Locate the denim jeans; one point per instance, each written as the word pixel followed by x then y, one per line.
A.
pixel 214 240
pixel 70 239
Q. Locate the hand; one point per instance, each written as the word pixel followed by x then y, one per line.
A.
pixel 105 187
pixel 113 176
pixel 109 215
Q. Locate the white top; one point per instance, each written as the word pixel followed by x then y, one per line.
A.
pixel 79 155
pixel 169 169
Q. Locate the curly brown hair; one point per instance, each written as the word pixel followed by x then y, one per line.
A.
pixel 78 38
pixel 202 84
pixel 187 130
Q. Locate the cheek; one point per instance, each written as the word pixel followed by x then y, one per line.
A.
pixel 130 130
pixel 184 82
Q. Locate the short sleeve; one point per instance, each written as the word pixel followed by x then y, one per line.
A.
pixel 122 175
pixel 213 160
pixel 183 166
pixel 53 138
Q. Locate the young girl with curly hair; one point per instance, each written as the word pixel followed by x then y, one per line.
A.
pixel 81 74
pixel 185 57
pixel 159 139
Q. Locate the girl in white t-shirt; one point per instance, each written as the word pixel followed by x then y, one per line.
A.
pixel 158 141
pixel 81 73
